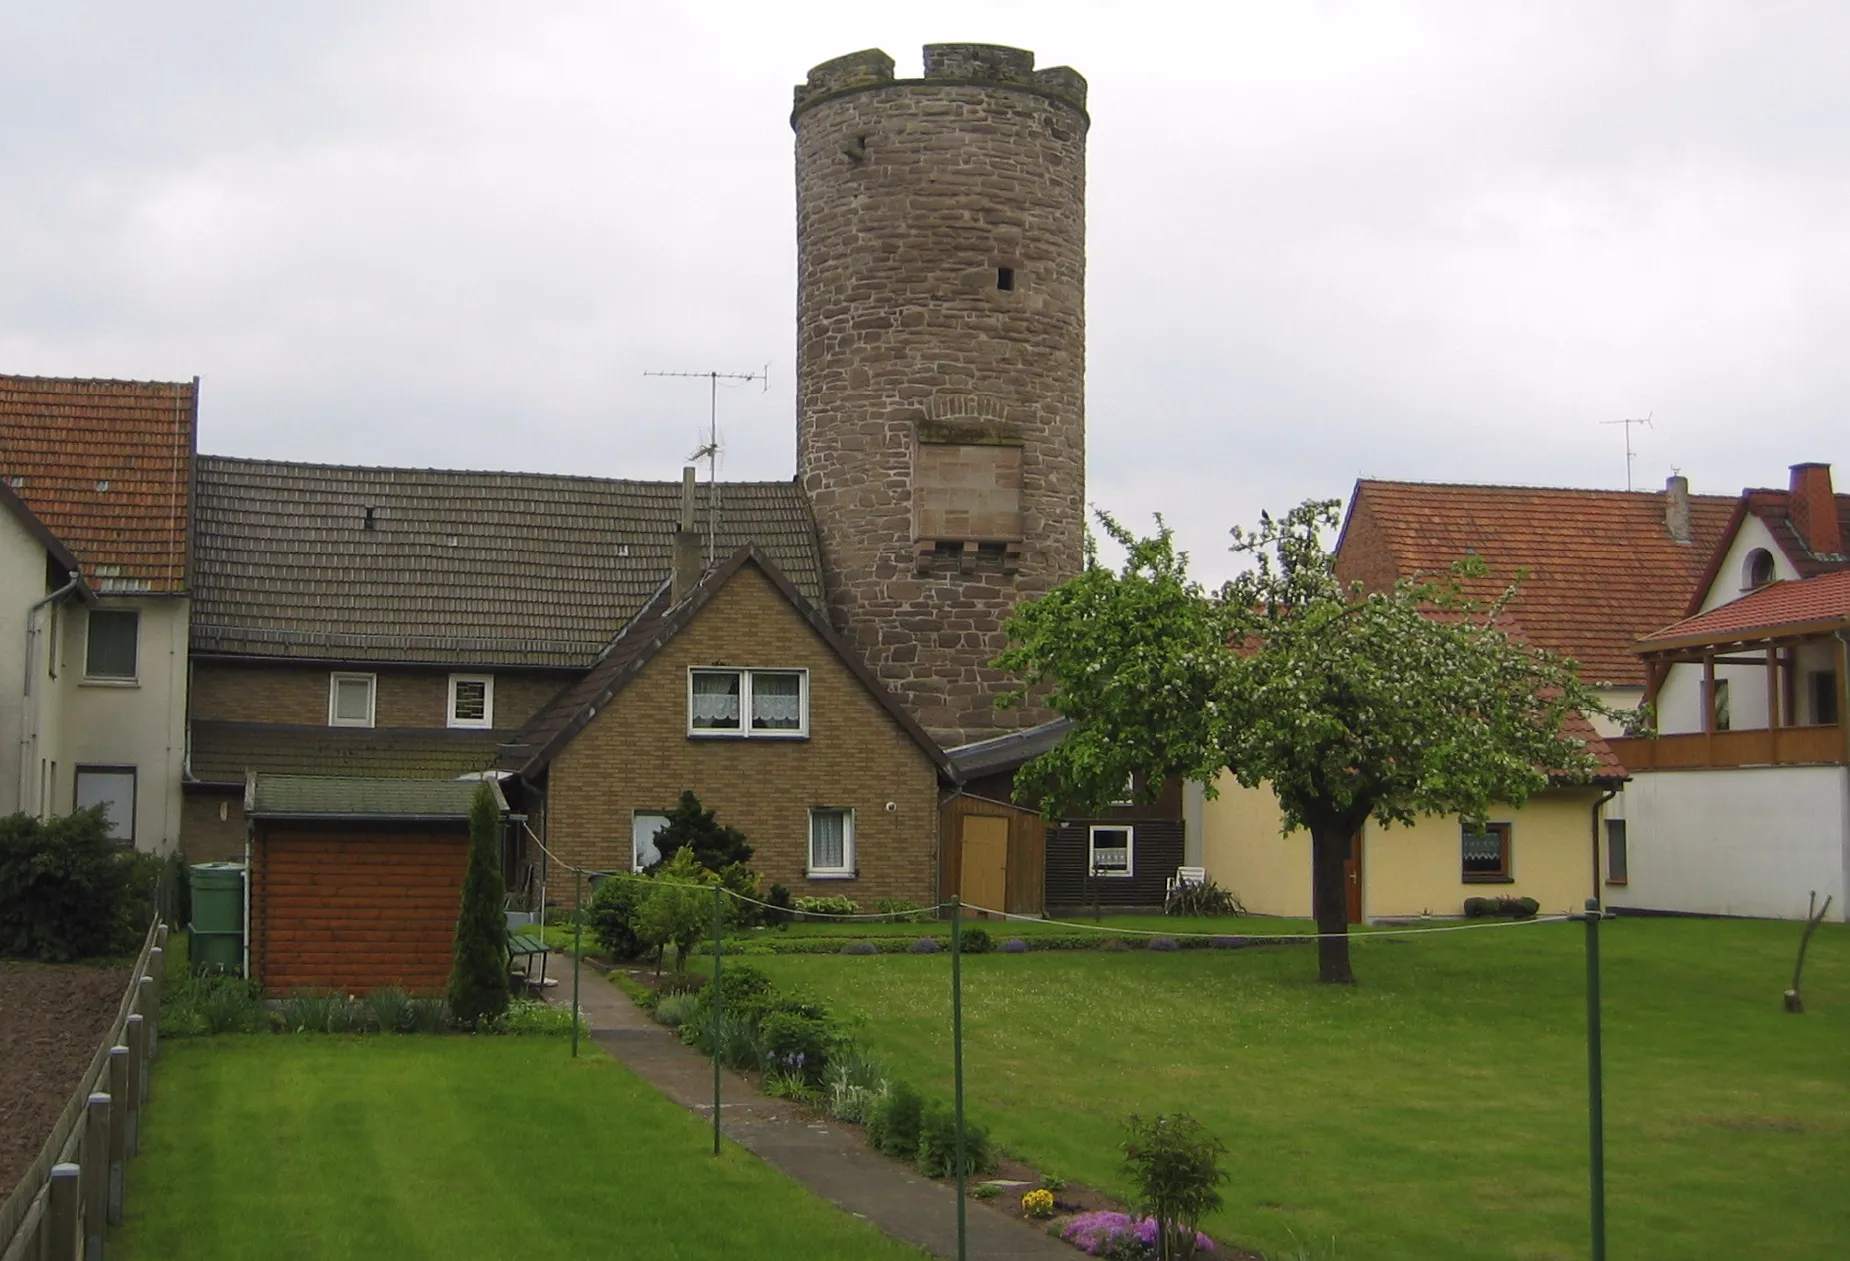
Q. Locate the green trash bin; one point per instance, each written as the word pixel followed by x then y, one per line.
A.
pixel 217 932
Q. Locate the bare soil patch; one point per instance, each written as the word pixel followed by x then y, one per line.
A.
pixel 52 1017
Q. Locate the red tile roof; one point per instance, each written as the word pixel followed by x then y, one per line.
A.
pixel 1762 613
pixel 107 466
pixel 1602 567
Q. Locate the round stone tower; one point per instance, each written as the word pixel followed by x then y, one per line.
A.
pixel 941 254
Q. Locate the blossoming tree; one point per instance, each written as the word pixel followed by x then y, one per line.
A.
pixel 1349 704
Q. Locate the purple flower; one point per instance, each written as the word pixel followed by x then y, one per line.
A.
pixel 1227 943
pixel 1146 1235
pixel 1095 1234
pixel 1014 946
pixel 926 946
pixel 1164 943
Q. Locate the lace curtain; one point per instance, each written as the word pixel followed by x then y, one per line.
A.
pixel 777 701
pixel 828 840
pixel 716 700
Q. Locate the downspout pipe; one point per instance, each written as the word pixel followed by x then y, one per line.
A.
pixel 1599 807
pixel 76 580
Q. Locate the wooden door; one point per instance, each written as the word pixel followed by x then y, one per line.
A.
pixel 1352 878
pixel 985 862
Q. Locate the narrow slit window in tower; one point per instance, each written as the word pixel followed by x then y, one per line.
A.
pixel 1005 278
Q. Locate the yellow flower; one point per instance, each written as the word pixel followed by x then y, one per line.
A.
pixel 1038 1203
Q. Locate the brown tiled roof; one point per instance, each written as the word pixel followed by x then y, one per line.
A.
pixel 1780 606
pixel 459 568
pixel 563 717
pixel 1603 569
pixel 222 752
pixel 106 466
pixel 54 546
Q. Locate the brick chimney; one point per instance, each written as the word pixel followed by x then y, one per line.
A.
pixel 1676 507
pixel 687 566
pixel 1813 508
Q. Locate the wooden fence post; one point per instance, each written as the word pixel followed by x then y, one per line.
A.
pixel 118 1128
pixel 149 1005
pixel 137 1076
pixel 61 1212
pixel 157 972
pixel 96 1174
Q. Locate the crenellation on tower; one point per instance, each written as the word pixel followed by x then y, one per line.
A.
pixel 941 359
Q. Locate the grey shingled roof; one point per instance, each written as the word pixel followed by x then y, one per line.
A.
pixel 359 797
pixel 460 568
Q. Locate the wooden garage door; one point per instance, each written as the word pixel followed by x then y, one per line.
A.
pixel 352 911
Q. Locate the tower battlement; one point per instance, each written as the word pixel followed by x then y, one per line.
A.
pixel 987 65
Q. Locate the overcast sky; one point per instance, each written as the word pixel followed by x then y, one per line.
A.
pixel 1424 241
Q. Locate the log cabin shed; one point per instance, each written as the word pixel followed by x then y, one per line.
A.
pixel 355 882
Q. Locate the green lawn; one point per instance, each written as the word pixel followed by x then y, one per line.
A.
pixel 1436 1110
pixel 413 1147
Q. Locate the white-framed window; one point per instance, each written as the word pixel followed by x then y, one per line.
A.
pixel 114 787
pixel 644 824
pixel 472 700
pixel 831 842
pixel 110 643
pixel 1108 850
pixel 350 699
pixel 723 702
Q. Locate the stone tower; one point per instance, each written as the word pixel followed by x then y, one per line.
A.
pixel 941 254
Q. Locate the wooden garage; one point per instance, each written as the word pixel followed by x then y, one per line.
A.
pixel 355 882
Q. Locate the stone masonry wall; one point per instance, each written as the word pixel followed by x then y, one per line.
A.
pixel 913 196
pixel 636 755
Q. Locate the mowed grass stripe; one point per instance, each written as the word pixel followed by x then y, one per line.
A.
pixel 1436 1110
pixel 315 1147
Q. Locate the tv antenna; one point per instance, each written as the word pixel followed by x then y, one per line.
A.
pixel 709 450
pixel 1630 454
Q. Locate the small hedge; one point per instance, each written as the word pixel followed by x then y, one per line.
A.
pixel 895 944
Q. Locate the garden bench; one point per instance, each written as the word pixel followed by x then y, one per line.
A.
pixel 524 945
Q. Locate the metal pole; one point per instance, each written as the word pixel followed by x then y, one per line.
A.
pixel 1596 1121
pixel 719 908
pixel 578 886
pixel 957 1058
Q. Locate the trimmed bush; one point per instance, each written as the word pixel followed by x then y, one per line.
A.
pixel 1014 946
pixel 925 946
pixel 1227 943
pixel 977 942
pixel 937 1151
pixel 66 890
pixel 860 948
pixel 1164 943
pixel 893 1122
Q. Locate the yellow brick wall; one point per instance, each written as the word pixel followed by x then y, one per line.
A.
pixel 298 694
pixel 636 755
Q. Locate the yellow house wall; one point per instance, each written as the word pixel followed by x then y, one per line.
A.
pixel 1406 870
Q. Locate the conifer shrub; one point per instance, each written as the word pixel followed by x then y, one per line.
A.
pixel 479 977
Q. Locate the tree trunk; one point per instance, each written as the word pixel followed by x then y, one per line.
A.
pixel 1329 898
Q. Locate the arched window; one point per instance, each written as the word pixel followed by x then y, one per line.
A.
pixel 1758 571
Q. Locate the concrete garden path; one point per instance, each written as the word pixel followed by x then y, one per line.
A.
pixel 828 1158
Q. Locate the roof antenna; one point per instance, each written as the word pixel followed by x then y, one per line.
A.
pixel 709 450
pixel 1630 454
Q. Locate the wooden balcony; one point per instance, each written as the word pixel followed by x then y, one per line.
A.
pixel 1703 750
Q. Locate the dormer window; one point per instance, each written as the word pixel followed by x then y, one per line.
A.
pixel 1758 569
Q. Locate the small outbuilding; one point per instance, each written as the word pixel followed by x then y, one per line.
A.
pixel 355 882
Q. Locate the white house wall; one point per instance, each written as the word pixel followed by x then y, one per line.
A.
pixel 140 724
pixel 22 581
pixel 1740 841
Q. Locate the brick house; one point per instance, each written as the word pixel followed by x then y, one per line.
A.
pixel 409 622
pixel 95 585
pixel 734 685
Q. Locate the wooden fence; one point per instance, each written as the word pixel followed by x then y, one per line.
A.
pixel 72 1193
